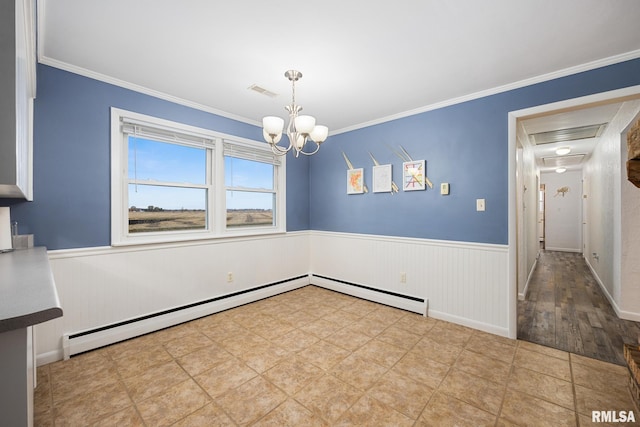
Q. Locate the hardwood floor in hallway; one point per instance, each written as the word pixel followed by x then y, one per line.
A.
pixel 565 308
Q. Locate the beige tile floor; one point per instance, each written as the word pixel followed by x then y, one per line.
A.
pixel 313 357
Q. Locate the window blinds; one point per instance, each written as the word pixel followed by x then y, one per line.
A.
pixel 242 150
pixel 248 152
pixel 165 134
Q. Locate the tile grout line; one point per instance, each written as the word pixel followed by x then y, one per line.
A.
pixel 506 387
pixel 467 346
pixel 573 389
pixel 190 377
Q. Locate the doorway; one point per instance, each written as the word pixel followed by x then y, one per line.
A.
pixel 521 254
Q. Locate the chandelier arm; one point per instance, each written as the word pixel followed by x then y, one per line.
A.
pixel 313 152
pixel 280 150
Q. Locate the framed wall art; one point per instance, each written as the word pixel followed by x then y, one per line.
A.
pixel 355 181
pixel 382 179
pixel 413 175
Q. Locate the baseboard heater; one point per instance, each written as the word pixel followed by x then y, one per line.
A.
pixel 90 339
pixel 382 296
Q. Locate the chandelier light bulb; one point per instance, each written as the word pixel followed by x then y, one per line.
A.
pixel 319 134
pixel 273 125
pixel 305 124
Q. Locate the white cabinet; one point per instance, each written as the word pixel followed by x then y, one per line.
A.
pixel 16 369
pixel 17 91
pixel 28 297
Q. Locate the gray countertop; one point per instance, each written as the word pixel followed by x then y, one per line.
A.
pixel 27 291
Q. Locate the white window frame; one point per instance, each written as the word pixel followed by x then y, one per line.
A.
pixel 217 145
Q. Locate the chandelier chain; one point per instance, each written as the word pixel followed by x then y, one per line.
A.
pixel 293 92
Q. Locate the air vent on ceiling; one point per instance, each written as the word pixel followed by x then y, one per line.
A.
pixel 571 134
pixel 262 91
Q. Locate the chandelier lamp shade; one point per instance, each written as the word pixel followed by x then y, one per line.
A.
pixel 305 137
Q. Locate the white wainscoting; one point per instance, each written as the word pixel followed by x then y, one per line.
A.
pixel 464 283
pixel 106 286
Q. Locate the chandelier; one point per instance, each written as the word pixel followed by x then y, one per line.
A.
pixel 302 131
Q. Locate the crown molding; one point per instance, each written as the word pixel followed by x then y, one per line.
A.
pixel 446 103
pixel 141 89
pixel 500 89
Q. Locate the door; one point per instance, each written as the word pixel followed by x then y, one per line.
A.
pixel 541 207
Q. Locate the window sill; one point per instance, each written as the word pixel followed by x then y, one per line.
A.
pixel 194 237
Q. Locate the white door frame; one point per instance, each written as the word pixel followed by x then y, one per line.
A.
pixel 513 116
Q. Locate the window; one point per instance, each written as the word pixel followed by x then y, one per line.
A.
pixel 250 193
pixel 167 186
pixel 173 182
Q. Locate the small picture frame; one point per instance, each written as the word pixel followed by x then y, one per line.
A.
pixel 355 181
pixel 382 179
pixel 413 175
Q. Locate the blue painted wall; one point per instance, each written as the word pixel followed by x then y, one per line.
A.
pixel 71 207
pixel 465 145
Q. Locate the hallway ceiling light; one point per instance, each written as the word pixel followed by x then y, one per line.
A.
pixel 561 170
pixel 563 161
pixel 300 130
pixel 563 151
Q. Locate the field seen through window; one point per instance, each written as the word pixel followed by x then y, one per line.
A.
pixel 156 219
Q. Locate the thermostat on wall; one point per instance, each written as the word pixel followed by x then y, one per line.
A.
pixel 444 188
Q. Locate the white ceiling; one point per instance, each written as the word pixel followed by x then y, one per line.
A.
pixel 581 149
pixel 363 62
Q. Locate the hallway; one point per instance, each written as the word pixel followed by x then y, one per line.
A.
pixel 565 308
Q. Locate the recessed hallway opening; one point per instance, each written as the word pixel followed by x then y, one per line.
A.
pixel 564 308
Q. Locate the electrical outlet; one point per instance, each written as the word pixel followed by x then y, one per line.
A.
pixel 444 188
pixel 480 205
pixel 229 277
pixel 403 277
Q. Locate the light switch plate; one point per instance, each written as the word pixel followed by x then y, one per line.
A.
pixel 480 205
pixel 444 188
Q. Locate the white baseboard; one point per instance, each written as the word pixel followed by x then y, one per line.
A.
pixel 492 329
pixel 551 248
pixel 625 315
pixel 372 295
pixel 74 344
pixel 523 294
pixel 49 357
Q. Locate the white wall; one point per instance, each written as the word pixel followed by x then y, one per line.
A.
pixel 563 213
pixel 630 246
pixel 527 205
pixel 613 245
pixel 105 286
pixel 630 224
pixel 599 176
pixel 464 283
